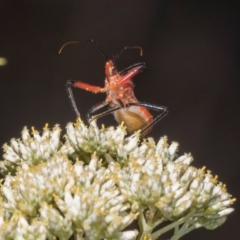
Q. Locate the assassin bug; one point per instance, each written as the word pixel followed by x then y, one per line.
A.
pixel 120 96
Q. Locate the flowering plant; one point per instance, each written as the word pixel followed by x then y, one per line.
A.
pixel 97 182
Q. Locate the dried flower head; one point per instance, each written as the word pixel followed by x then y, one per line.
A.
pixel 98 181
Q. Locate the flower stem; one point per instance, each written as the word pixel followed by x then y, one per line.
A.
pixel 145 228
pixel 175 224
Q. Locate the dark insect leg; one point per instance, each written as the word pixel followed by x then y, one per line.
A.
pixel 157 108
pixel 71 97
pixel 97 107
pixel 124 71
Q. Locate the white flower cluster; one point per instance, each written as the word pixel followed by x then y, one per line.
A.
pixel 31 149
pixel 59 199
pixel 98 182
pixel 107 142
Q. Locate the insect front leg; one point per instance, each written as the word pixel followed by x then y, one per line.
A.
pixel 157 108
pixel 82 85
pixel 69 84
pixel 85 86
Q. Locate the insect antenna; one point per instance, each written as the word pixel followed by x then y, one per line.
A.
pixel 124 49
pixel 92 41
pixel 65 44
pixel 77 42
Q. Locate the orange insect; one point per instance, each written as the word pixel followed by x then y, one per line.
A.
pixel 120 97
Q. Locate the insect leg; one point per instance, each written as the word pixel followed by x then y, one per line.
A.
pixel 157 108
pixel 71 97
pixel 85 86
pixel 131 73
pixel 126 70
pixel 82 85
pixel 95 108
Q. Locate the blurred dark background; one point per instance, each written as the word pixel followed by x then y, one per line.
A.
pixel 192 54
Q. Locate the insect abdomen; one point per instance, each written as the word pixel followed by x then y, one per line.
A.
pixel 134 118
